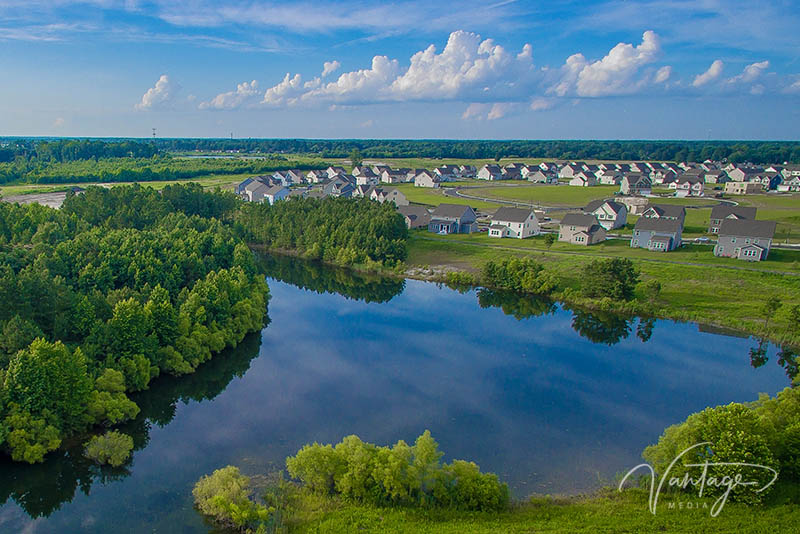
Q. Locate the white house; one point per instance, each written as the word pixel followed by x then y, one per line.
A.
pixel 584 179
pixel 490 172
pixel 276 193
pixel 427 179
pixel 514 222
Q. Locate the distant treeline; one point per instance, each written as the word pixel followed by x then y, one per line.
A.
pixel 733 151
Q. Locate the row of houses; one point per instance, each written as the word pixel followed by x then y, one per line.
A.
pixel 660 228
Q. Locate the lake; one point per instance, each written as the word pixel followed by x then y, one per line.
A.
pixel 550 399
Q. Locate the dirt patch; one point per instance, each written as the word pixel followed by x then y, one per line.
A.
pixel 52 200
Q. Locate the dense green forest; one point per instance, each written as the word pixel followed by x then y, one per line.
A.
pixel 335 230
pixel 107 293
pixel 36 155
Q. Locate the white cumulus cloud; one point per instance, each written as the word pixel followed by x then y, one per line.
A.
pixel 159 96
pixel 363 85
pixel 245 92
pixel 330 67
pixel 750 72
pixel 663 74
pixel 709 75
pixel 285 92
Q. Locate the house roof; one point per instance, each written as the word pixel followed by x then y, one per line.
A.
pixel 742 212
pixel 747 228
pixel 274 190
pixel 412 211
pixel 668 210
pixel 516 215
pixel 450 210
pixel 594 204
pixel 579 219
pixel 658 225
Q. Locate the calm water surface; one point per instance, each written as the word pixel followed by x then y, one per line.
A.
pixel 550 399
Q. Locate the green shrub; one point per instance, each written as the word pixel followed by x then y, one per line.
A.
pixel 765 432
pixel 225 496
pixel 399 475
pixel 113 448
pixel 615 278
pixel 524 275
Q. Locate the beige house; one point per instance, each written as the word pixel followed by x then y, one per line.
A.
pixel 581 229
pixel 743 188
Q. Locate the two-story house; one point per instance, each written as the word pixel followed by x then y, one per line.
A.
pixel 580 229
pixel 514 222
pixel 453 219
pixel 745 239
pixel 720 213
pixel 610 214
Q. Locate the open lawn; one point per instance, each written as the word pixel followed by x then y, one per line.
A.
pixel 432 163
pixel 545 195
pixel 607 512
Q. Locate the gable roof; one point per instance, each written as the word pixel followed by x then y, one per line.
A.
pixel 517 215
pixel 451 210
pixel 616 207
pixel 742 212
pixel 747 228
pixel 578 219
pixel 668 210
pixel 658 225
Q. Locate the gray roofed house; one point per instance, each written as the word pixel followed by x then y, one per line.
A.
pixel 635 184
pixel 514 222
pixel 722 212
pixel 610 214
pixel 415 216
pixel 580 229
pixel 745 239
pixel 453 219
pixel 657 234
pixel 665 211
pixel 275 193
pixel 255 191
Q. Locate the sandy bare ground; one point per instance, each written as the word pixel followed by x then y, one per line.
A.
pixel 53 200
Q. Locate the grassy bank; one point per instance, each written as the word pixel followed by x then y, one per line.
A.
pixel 607 511
pixel 696 286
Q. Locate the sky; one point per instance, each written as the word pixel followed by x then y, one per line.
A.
pixel 603 69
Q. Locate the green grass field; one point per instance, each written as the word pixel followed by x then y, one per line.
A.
pixel 546 195
pixel 434 197
pixel 608 511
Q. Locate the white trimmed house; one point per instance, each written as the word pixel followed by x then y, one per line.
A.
pixel 514 222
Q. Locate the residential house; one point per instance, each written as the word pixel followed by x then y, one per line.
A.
pixel 635 184
pixel 490 172
pixel 338 187
pixel 769 180
pixel 394 176
pixel 363 191
pixel 447 173
pixel 584 179
pixel 333 171
pixel 716 177
pixel 569 170
pixel 609 213
pixel 295 176
pixel 635 205
pixel 514 222
pixel 662 176
pixel 240 188
pixel 382 195
pixel 379 168
pixel 365 176
pixel 665 211
pixel 549 167
pixel 688 186
pixel 415 216
pixel 453 219
pixel 255 191
pixel 427 179
pixel 512 173
pixel 743 188
pixel 276 193
pixel 724 212
pixel 790 184
pixel 609 177
pixel 412 173
pixel 790 171
pixel 542 177
pixel 467 171
pixel 317 176
pixel 745 239
pixel 580 229
pixel 657 234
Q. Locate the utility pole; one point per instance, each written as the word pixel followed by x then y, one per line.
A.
pixel 154 133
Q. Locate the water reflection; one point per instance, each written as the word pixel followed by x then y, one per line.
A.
pixel 787 357
pixel 320 278
pixel 41 489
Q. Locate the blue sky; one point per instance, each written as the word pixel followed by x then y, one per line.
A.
pixel 656 69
